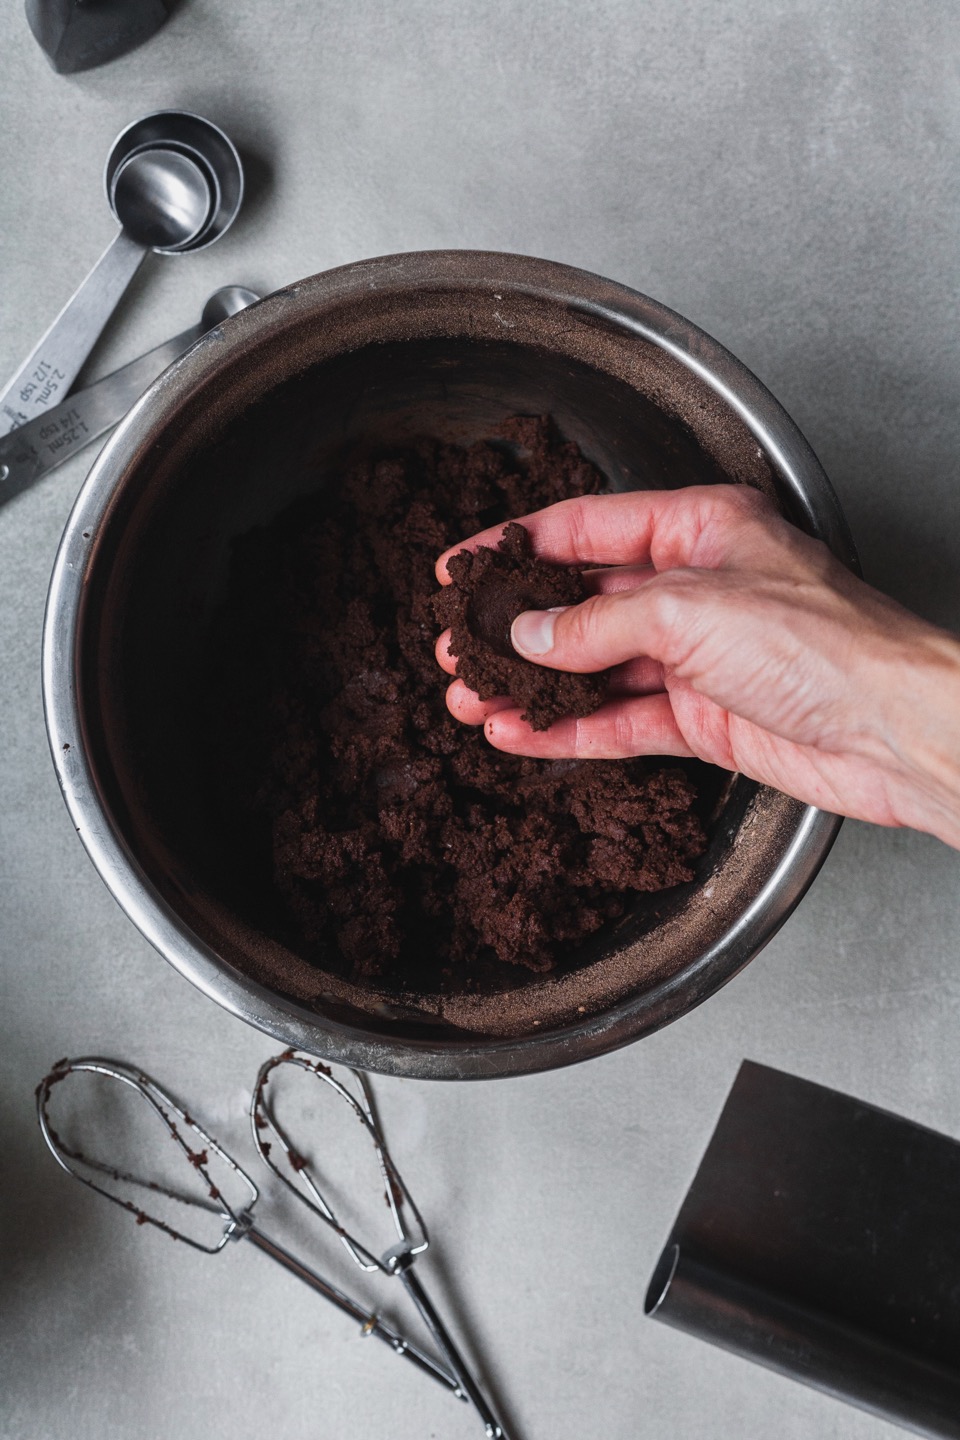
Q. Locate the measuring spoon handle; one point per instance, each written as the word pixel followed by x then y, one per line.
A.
pixel 46 375
pixel 47 441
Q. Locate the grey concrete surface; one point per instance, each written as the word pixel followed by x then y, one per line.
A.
pixel 786 175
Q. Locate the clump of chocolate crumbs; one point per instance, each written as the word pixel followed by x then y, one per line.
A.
pixel 489 589
pixel 405 850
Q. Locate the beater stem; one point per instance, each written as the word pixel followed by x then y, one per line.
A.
pixel 372 1324
pixel 438 1330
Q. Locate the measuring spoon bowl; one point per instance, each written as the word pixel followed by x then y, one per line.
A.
pixel 202 164
pixel 203 142
pixel 228 300
pixel 162 198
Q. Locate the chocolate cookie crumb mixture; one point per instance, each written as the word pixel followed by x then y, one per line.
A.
pixel 405 849
pixel 490 589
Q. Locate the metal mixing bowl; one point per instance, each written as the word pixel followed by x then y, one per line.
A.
pixel 447 344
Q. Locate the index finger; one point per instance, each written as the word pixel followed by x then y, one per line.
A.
pixel 665 528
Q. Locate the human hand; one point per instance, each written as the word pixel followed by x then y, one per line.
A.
pixel 738 639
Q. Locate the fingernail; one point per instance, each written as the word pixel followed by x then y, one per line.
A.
pixel 532 632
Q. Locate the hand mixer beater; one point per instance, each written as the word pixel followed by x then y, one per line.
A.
pixel 412 1239
pixel 206 1162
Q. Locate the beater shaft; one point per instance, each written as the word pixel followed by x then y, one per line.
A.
pixel 371 1323
pixel 438 1330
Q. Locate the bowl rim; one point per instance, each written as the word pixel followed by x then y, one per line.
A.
pixel 467 1056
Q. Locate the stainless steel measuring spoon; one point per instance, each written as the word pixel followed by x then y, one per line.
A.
pixel 165 201
pixel 53 436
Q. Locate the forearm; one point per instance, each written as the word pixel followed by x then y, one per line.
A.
pixel 923 735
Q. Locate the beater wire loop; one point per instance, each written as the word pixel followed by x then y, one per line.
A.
pixel 178 1125
pixel 269 1134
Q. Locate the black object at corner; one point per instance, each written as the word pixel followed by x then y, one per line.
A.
pixel 79 34
pixel 820 1238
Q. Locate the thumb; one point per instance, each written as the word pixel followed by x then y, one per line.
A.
pixel 603 631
